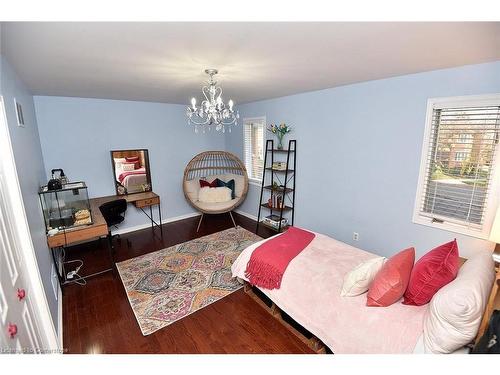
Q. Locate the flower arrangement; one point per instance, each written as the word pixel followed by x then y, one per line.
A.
pixel 279 131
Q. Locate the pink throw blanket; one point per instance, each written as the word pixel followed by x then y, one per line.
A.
pixel 269 261
pixel 122 175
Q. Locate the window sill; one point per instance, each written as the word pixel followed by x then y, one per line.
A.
pixel 451 227
pixel 255 182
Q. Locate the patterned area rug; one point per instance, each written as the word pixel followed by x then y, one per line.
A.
pixel 169 284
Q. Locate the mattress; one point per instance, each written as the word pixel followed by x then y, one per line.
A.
pixel 310 294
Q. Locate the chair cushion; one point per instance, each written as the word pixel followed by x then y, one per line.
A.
pixel 431 272
pixel 213 207
pixel 191 187
pixel 392 280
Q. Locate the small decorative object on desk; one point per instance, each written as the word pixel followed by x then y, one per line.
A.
pixel 279 131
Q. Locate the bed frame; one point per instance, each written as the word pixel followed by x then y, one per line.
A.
pixel 318 346
pixel 295 328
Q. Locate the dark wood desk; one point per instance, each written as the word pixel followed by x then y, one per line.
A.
pixel 99 228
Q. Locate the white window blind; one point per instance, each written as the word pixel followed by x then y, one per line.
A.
pixel 458 162
pixel 253 138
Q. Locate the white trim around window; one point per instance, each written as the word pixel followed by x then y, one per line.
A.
pixel 431 151
pixel 250 148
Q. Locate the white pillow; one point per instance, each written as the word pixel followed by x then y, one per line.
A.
pixel 127 167
pixel 358 280
pixel 455 311
pixel 214 195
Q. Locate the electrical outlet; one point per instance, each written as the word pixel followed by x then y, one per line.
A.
pixel 355 236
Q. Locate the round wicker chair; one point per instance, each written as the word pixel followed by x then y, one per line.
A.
pixel 210 165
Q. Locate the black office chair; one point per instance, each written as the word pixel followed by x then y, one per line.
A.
pixel 114 213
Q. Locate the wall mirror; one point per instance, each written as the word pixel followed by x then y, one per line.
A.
pixel 131 171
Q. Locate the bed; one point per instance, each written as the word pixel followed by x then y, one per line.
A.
pixel 132 180
pixel 310 295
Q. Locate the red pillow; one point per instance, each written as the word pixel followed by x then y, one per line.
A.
pixel 205 183
pixel 391 281
pixel 433 271
pixel 135 160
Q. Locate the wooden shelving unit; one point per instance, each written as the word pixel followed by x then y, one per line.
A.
pixel 285 181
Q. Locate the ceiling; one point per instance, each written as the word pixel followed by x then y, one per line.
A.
pixel 164 62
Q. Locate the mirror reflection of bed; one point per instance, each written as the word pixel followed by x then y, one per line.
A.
pixel 131 171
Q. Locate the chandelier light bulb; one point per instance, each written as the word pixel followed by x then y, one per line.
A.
pixel 193 102
pixel 230 104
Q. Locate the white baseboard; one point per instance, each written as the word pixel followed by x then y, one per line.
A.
pixel 148 225
pixel 246 214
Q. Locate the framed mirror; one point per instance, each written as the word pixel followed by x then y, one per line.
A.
pixel 131 173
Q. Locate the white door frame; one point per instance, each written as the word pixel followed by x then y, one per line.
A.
pixel 39 299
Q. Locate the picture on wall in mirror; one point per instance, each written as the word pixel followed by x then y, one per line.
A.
pixel 131 171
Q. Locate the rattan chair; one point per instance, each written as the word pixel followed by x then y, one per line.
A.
pixel 210 165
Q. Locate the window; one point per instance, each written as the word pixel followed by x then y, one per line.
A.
pixel 457 188
pixel 253 139
pixel 465 138
pixel 461 155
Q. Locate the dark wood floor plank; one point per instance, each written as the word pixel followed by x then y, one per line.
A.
pixel 97 317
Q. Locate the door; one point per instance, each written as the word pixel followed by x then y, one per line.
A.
pixel 21 330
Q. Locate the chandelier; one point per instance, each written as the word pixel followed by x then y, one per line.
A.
pixel 212 112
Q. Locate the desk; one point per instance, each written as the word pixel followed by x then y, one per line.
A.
pixel 99 228
pixel 141 200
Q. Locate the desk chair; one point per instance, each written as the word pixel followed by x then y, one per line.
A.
pixel 113 213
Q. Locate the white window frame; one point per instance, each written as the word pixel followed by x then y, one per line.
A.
pixel 492 199
pixel 463 155
pixel 246 120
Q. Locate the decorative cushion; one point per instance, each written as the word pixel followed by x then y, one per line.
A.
pixel 358 280
pixel 214 195
pixel 431 272
pixel 127 167
pixel 118 163
pixel 230 184
pixel 205 183
pixel 135 160
pixel 456 310
pixel 390 283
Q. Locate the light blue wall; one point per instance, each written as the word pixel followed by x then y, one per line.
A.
pixel 359 155
pixel 30 168
pixel 77 135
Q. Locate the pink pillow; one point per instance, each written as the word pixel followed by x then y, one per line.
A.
pixel 391 281
pixel 433 271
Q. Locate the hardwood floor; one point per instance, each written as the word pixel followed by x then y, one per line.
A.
pixel 97 317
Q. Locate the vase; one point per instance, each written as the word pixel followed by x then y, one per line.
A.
pixel 280 141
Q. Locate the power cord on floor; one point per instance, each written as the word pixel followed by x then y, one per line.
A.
pixel 71 275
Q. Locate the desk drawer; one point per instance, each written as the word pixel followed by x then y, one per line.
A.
pixel 147 202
